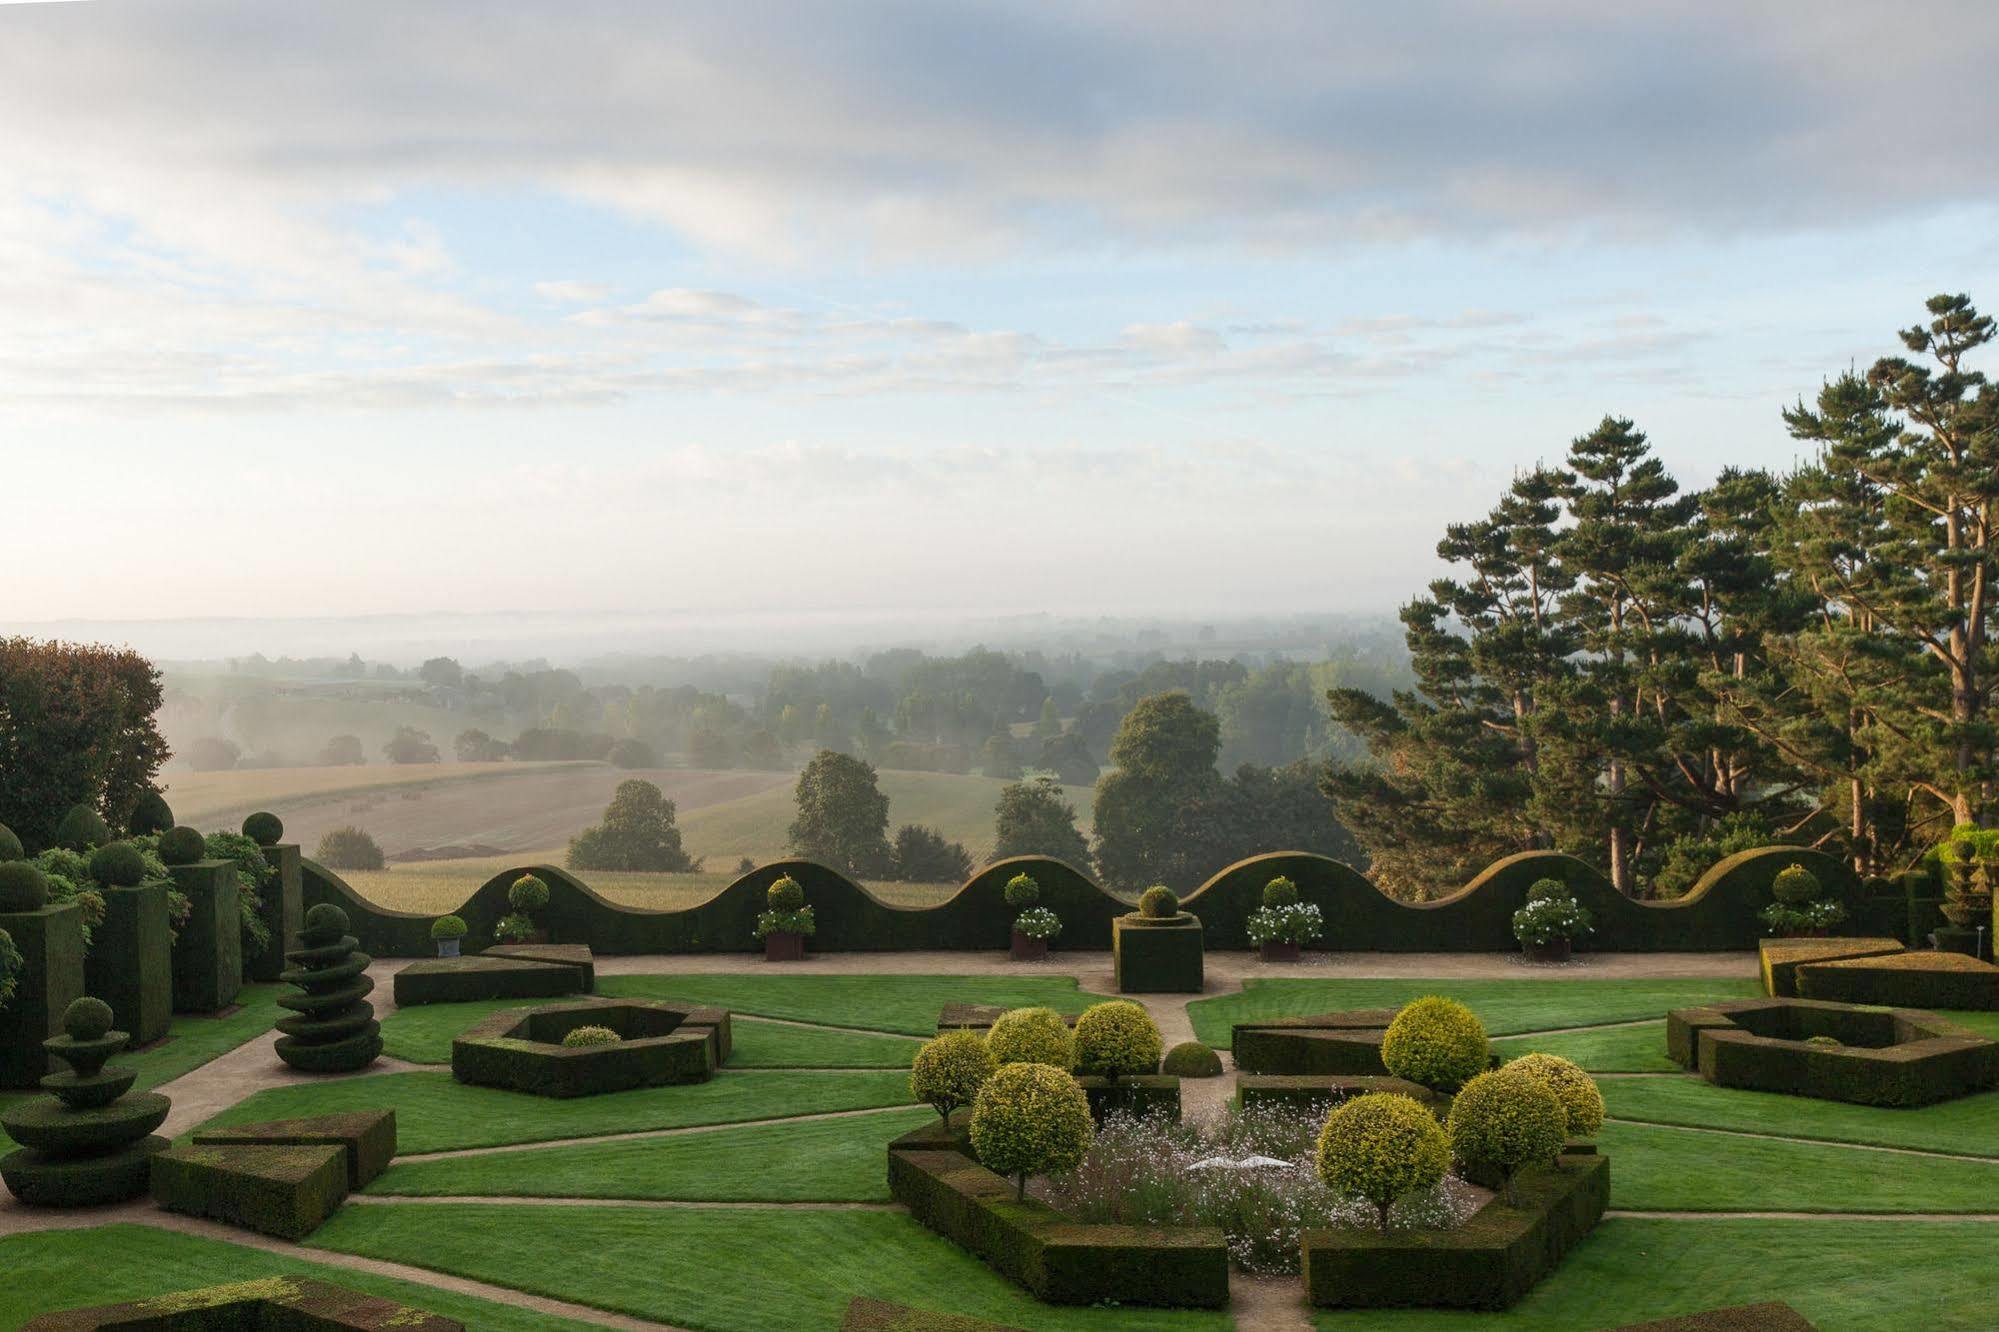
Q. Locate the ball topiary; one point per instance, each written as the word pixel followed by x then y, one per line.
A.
pixel 528 893
pixel 448 927
pixel 1381 1146
pixel 1030 1119
pixel 326 921
pixel 784 895
pixel 151 815
pixel 1032 1036
pixel 1117 1038
pixel 86 1019
pixel 950 1069
pixel 1580 1098
pixel 1504 1119
pixel 118 865
pixel 10 845
pixel 1826 1042
pixel 1159 903
pixel 182 846
pixel 1795 885
pixel 264 828
pixel 81 829
pixel 1021 892
pixel 23 887
pixel 1542 890
pixel 1191 1059
pixel 580 1038
pixel 1280 892
pixel 1436 1042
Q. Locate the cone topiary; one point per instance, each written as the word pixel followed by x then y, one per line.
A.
pixel 1436 1042
pixel 151 815
pixel 23 887
pixel 10 845
pixel 87 1142
pixel 335 1030
pixel 1581 1099
pixel 118 865
pixel 1032 1036
pixel 183 846
pixel 1381 1146
pixel 1191 1059
pixel 949 1070
pixel 1117 1038
pixel 1505 1119
pixel 1030 1119
pixel 264 828
pixel 82 829
pixel 1159 903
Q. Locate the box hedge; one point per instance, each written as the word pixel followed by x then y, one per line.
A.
pixel 1303 1091
pixel 282 909
pixel 1158 955
pixel 1904 980
pixel 457 980
pixel 1344 1044
pixel 270 1304
pixel 50 941
pixel 1779 959
pixel 1884 1057
pixel 286 1191
pixel 662 1045
pixel 1142 1094
pixel 368 1137
pixel 130 966
pixel 208 953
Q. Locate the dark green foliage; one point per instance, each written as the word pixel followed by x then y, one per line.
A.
pixel 1546 890
pixel 842 816
pixel 333 1029
pixel 921 855
pixel 10 845
pixel 1886 1057
pixel 1346 1043
pixel 182 846
pixel 256 878
pixel 88 1142
pixel 286 1191
pixel 638 833
pixel 277 1304
pixel 1904 980
pixel 631 754
pixel 1191 1059
pixel 349 848
pixel 81 829
pixel 1157 956
pixel 117 865
pixel 86 1019
pixel 76 727
pixel 130 965
pixel 1157 810
pixel 50 945
pixel 325 917
pixel 457 980
pixel 661 1045
pixel 264 828
pixel 1036 819
pixel 409 745
pixel 529 893
pixel 1142 1094
pixel 447 927
pixel 22 887
pixel 150 815
pixel 1158 903
pixel 208 950
pixel 368 1137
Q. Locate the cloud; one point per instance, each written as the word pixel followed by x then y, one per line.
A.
pixel 572 293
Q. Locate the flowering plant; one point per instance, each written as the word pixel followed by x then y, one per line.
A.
pixel 1298 923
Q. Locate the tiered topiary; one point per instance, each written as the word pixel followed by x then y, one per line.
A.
pixel 87 1142
pixel 1580 1098
pixel 264 828
pixel 151 815
pixel 579 1038
pixel 1033 924
pixel 1380 1146
pixel 182 846
pixel 81 829
pixel 1030 1119
pixel 787 923
pixel 950 1069
pixel 1191 1059
pixel 1117 1038
pixel 1032 1036
pixel 1437 1043
pixel 118 865
pixel 335 1030
pixel 1503 1120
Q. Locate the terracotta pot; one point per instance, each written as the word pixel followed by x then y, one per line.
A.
pixel 1555 950
pixel 1273 951
pixel 784 946
pixel 1027 949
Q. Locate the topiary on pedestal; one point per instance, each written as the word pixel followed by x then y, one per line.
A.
pixel 151 815
pixel 81 829
pixel 182 846
pixel 1159 903
pixel 264 828
pixel 949 1070
pixel 23 887
pixel 335 1030
pixel 87 1142
pixel 118 865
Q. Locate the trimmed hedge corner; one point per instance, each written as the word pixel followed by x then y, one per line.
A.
pixel 1904 980
pixel 1158 955
pixel 1780 959
pixel 454 980
pixel 368 1137
pixel 283 1191
pixel 662 1045
pixel 1876 1056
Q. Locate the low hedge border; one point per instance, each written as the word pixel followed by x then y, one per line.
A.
pixel 1158 956
pixel 457 980
pixel 977 1017
pixel 368 1137
pixel 931 1172
pixel 1141 1094
pixel 1489 1262
pixel 1904 980
pixel 1779 959
pixel 278 1304
pixel 1889 1057
pixel 871 1315
pixel 1344 1044
pixel 1303 1091
pixel 662 1045
pixel 562 955
pixel 283 1191
pixel 1774 1316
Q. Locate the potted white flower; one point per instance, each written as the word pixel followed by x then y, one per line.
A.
pixel 1550 922
pixel 1283 924
pixel 1035 925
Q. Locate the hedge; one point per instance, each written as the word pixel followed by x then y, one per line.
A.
pixel 662 1045
pixel 1905 980
pixel 1887 1057
pixel 1490 1261
pixel 1779 959
pixel 208 953
pixel 563 955
pixel 1342 1044
pixel 1157 955
pixel 50 941
pixel 368 1137
pixel 278 1304
pixel 286 1191
pixel 1133 1094
pixel 130 966
pixel 282 911
pixel 454 980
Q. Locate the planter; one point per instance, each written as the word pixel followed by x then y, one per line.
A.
pixel 784 946
pixel 448 947
pixel 1026 948
pixel 1555 950
pixel 1157 955
pixel 1273 951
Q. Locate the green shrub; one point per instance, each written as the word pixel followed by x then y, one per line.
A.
pixel 1191 1059
pixel 349 848
pixel 11 963
pixel 1299 923
pixel 1159 903
pixel 528 894
pixel 579 1038
pixel 325 922
pixel 1280 892
pixel 514 927
pixel 81 829
pixel 1380 1146
pixel 784 895
pixel 950 1069
pixel 10 845
pixel 1826 1042
pixel 1801 903
pixel 1576 1090
pixel 1503 1120
pixel 1032 1036
pixel 1542 890
pixel 1116 1038
pixel 118 865
pixel 1436 1042
pixel 151 815
pixel 1546 919
pixel 447 927
pixel 1030 1119
pixel 23 887
pixel 86 1019
pixel 1795 885
pixel 801 921
pixel 1021 892
pixel 264 828
pixel 255 876
pixel 1038 923
pixel 182 846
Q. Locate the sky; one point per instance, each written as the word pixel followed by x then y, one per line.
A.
pixel 921 307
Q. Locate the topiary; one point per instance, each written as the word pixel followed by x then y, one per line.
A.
pixel 182 846
pixel 118 865
pixel 1795 886
pixel 448 927
pixel 87 1019
pixel 1542 890
pixel 1191 1059
pixel 264 828
pixel 1380 1146
pixel 1826 1042
pixel 1280 892
pixel 10 845
pixel 151 815
pixel 333 1028
pixel 528 893
pixel 1436 1042
pixel 1030 1119
pixel 950 1069
pixel 1581 1100
pixel 326 918
pixel 1116 1038
pixel 1021 892
pixel 1159 903
pixel 81 829
pixel 1504 1119
pixel 22 887
pixel 581 1038
pixel 784 894
pixel 1032 1036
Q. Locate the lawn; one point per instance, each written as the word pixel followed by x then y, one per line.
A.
pixel 905 1004
pixel 1638 1048
pixel 1966 1126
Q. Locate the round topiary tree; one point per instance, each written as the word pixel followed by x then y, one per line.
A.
pixel 81 829
pixel 1280 892
pixel 23 887
pixel 182 846
pixel 784 894
pixel 151 815
pixel 1159 903
pixel 1576 1091
pixel 1032 1036
pixel 950 1069
pixel 1502 1120
pixel 1436 1042
pixel 1795 886
pixel 10 845
pixel 1191 1059
pixel 1117 1038
pixel 1021 892
pixel 264 828
pixel 1543 890
pixel 1030 1119
pixel 584 1037
pixel 335 1030
pixel 1381 1146
pixel 118 865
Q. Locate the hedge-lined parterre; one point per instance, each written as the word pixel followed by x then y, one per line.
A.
pixel 658 1044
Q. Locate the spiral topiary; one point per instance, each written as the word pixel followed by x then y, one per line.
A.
pixel 1117 1038
pixel 1191 1059
pixel 1021 892
pixel 1030 1119
pixel 23 887
pixel 182 846
pixel 584 1037
pixel 950 1069
pixel 1381 1146
pixel 1581 1100
pixel 118 865
pixel 1795 886
pixel 1436 1042
pixel 1280 892
pixel 151 815
pixel 87 1142
pixel 784 894
pixel 81 829
pixel 335 1030
pixel 1159 903
pixel 1542 890
pixel 10 845
pixel 264 828
pixel 1032 1036
pixel 1504 1119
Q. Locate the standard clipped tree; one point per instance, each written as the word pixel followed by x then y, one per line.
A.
pixel 950 1069
pixel 1117 1039
pixel 638 833
pixel 1503 1120
pixel 1036 819
pixel 842 816
pixel 1030 1119
pixel 1032 1036
pixel 1381 1146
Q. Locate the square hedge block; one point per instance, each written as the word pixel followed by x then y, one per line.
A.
pixel 282 911
pixel 662 1044
pixel 1780 958
pixel 1133 1094
pixel 283 1191
pixel 1904 980
pixel 50 942
pixel 457 980
pixel 565 955
pixel 1157 957
pixel 208 955
pixel 1874 1056
pixel 272 1304
pixel 367 1136
pixel 131 964
pixel 1346 1044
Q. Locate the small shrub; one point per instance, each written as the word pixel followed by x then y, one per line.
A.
pixel 1581 1099
pixel 264 828
pixel 528 894
pixel 579 1038
pixel 1116 1038
pixel 1545 919
pixel 349 848
pixel 151 815
pixel 801 922
pixel 1826 1042
pixel 448 927
pixel 86 1019
pixel 1503 1120
pixel 950 1069
pixel 1030 1119
pixel 514 927
pixel 1436 1042
pixel 1038 923
pixel 1280 892
pixel 1159 903
pixel 1380 1146
pixel 1191 1059
pixel 1795 885
pixel 182 846
pixel 23 887
pixel 81 829
pixel 1021 892
pixel 1542 890
pixel 10 845
pixel 1032 1036
pixel 784 894
pixel 118 865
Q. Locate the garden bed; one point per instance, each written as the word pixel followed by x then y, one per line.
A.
pixel 658 1045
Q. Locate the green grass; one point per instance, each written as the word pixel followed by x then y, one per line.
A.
pixel 435 1114
pixel 1846 1276
pixel 718 1270
pixel 906 1004
pixel 820 1160
pixel 1964 1126
pixel 1506 1006
pixel 1639 1049
pixel 113 1264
